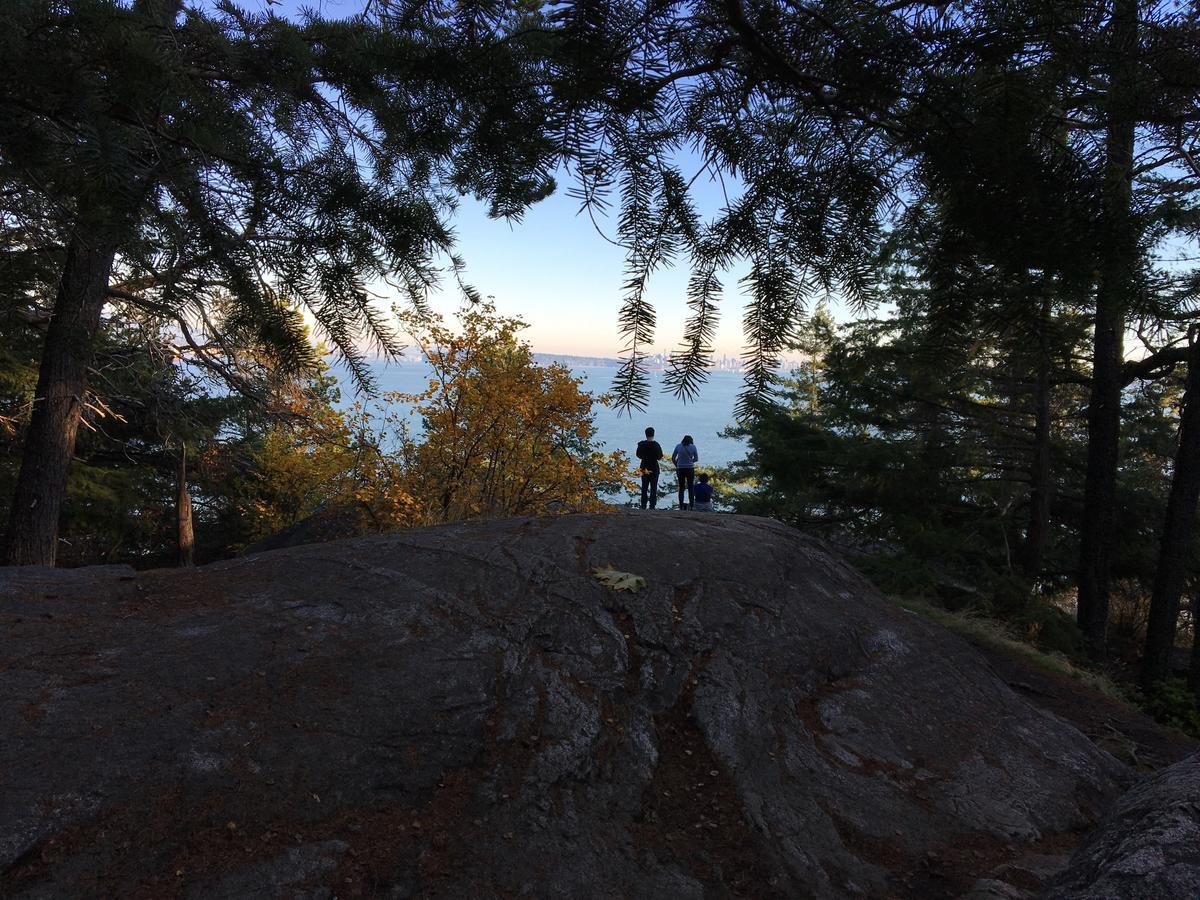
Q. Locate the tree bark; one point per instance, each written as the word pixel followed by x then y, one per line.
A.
pixel 1175 555
pixel 1194 667
pixel 1040 489
pixel 183 514
pixel 67 355
pixel 58 402
pixel 1100 486
pixel 1115 289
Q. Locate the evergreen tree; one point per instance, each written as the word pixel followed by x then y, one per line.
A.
pixel 826 118
pixel 144 410
pixel 919 456
pixel 164 158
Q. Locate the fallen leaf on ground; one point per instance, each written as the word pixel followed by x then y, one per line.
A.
pixel 618 581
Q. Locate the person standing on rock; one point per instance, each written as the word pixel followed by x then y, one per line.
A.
pixel 649 452
pixel 685 458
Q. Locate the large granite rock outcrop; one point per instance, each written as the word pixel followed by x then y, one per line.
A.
pixel 466 712
pixel 1148 845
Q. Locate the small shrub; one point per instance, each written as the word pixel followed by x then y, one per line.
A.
pixel 1050 630
pixel 1172 703
pixel 1129 608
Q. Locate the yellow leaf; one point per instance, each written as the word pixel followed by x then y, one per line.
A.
pixel 618 581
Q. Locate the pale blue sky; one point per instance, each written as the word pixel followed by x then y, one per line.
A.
pixel 564 278
pixel 554 270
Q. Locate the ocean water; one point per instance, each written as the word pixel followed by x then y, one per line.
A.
pixel 671 419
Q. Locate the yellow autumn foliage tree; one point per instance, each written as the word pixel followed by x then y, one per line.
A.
pixel 314 459
pixel 500 435
pixel 493 434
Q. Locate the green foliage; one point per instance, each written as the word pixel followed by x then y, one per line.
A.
pixel 696 79
pixel 1048 628
pixel 1173 703
pixel 118 514
pixel 891 446
pixel 248 165
pixel 147 404
pixel 912 444
pixel 831 126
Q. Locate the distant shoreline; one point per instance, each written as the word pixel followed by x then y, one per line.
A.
pixel 704 416
pixel 654 363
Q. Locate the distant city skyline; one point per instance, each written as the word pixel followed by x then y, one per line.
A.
pixel 720 362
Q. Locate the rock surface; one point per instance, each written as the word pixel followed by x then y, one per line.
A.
pixel 1147 846
pixel 465 711
pixel 329 523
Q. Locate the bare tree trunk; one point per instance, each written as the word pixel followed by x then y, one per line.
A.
pixel 1039 474
pixel 183 513
pixel 1100 487
pixel 1179 531
pixel 1114 291
pixel 58 402
pixel 1194 667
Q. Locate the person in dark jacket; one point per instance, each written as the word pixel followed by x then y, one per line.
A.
pixel 649 452
pixel 704 494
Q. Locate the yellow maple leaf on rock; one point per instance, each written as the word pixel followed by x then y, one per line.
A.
pixel 618 581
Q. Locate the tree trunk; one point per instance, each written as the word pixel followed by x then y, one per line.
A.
pixel 183 514
pixel 58 403
pixel 67 356
pixel 1039 474
pixel 1115 289
pixel 1099 513
pixel 1179 529
pixel 1194 667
